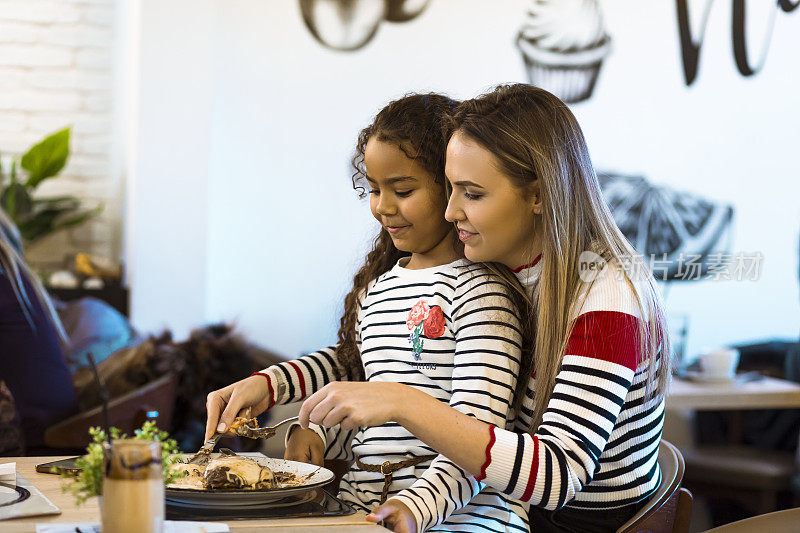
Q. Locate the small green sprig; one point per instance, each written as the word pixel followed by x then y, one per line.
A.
pixel 89 481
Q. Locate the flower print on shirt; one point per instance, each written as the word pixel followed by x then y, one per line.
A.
pixel 424 320
pixel 434 323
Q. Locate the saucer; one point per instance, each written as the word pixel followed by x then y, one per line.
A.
pixel 700 377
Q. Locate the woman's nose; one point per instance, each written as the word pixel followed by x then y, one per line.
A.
pixel 452 213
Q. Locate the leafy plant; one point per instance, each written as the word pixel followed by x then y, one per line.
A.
pixel 89 482
pixel 37 217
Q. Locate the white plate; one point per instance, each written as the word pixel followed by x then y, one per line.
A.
pixel 314 476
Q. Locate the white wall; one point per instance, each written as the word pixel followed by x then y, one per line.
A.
pixel 167 204
pixel 286 230
pixel 273 231
pixel 726 137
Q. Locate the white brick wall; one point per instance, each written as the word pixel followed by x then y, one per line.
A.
pixel 55 71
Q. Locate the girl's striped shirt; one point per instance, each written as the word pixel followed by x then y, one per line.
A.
pixel 597 445
pixel 452 332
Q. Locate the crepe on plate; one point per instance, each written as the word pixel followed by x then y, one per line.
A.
pixel 227 471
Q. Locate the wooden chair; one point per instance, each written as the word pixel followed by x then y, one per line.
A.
pixel 752 478
pixel 786 521
pixel 669 509
pixel 154 401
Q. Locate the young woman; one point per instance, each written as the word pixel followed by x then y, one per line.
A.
pixel 525 195
pixel 418 314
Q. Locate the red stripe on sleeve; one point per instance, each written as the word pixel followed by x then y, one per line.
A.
pixel 271 401
pixel 486 463
pixel 606 335
pixel 300 378
pixel 534 470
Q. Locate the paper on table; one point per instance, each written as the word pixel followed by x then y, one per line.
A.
pixel 31 501
pixel 8 473
pixel 170 526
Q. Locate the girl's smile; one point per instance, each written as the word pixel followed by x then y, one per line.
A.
pixel 396 229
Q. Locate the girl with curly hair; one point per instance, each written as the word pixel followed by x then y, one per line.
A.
pixel 419 314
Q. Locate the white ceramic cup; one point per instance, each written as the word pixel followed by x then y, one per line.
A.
pixel 720 363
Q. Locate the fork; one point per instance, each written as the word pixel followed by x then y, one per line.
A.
pixel 242 430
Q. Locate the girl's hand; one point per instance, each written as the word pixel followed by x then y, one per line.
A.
pixel 395 515
pixel 354 404
pixel 304 445
pixel 248 397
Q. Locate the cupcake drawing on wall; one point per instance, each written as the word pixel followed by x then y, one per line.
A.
pixel 563 44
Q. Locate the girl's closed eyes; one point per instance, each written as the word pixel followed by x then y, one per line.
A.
pixel 401 194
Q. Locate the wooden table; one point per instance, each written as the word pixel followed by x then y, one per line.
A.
pixel 765 393
pixel 50 485
pixel 786 521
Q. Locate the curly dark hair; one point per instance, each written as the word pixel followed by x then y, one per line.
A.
pixel 415 123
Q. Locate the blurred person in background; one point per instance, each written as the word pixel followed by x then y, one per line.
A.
pixel 32 362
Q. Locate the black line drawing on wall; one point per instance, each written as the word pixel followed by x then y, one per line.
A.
pixel 563 44
pixel 690 47
pixel 347 25
pixel 404 10
pixel 669 226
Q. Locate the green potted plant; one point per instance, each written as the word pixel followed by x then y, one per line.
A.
pixel 37 217
pixel 89 481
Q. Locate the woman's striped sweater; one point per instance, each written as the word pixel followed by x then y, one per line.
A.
pixel 462 347
pixel 597 445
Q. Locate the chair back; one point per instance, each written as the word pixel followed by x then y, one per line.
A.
pixel 669 509
pixel 155 401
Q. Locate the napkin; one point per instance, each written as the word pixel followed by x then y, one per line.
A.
pixel 8 473
pixel 170 526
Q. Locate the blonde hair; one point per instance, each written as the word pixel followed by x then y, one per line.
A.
pixel 15 268
pixel 535 138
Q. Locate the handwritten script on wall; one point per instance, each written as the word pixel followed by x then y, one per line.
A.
pixel 690 47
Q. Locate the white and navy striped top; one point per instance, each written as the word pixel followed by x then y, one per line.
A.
pixel 597 445
pixel 452 332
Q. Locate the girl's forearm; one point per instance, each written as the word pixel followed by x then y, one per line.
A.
pixel 461 438
pixel 289 382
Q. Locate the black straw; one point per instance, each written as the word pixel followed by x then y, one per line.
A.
pixel 103 395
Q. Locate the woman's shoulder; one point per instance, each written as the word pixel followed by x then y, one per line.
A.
pixel 612 289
